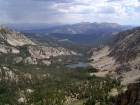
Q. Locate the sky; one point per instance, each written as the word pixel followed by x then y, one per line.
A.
pixel 70 11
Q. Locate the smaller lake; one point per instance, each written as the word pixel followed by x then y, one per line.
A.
pixel 80 64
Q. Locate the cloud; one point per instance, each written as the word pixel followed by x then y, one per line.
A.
pixel 114 0
pixel 55 1
pixel 106 10
pixel 35 11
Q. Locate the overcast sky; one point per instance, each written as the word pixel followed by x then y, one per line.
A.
pixel 70 11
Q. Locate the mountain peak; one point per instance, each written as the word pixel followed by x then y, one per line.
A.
pixel 84 23
pixel 12 37
pixel 2 26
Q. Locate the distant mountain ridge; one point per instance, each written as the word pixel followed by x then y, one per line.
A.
pixel 30 26
pixel 84 32
pixel 84 28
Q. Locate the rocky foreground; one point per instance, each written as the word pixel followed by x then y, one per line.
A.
pixel 131 95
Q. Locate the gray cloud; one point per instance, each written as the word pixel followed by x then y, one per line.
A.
pixel 106 10
pixel 55 1
pixel 24 11
pixel 114 0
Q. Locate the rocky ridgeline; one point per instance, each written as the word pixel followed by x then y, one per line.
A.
pixel 41 52
pixel 131 95
pixel 126 45
pixel 12 37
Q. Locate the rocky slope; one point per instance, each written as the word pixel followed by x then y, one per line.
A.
pixel 22 50
pixel 126 52
pixel 8 49
pixel 131 95
pixel 122 60
pixel 41 52
pixel 126 45
pixel 14 38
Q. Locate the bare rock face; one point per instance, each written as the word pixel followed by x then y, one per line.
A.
pixel 124 67
pixel 41 52
pixel 7 49
pixel 12 37
pixel 126 52
pixel 46 62
pixel 126 45
pixel 131 95
pixel 30 60
pixel 9 75
pixel 17 60
pixel 126 73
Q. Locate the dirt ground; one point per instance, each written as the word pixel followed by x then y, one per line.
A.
pixel 103 62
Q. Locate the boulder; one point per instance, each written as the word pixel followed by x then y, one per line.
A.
pixel 30 60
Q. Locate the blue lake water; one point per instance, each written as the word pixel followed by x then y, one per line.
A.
pixel 80 64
